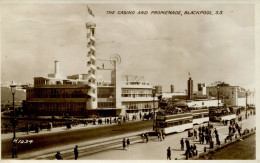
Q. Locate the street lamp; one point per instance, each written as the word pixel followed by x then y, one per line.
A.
pixel 246 103
pixel 14 152
pixel 218 96
pixel 153 92
pixel 186 95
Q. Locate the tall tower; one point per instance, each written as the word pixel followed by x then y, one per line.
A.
pixel 190 88
pixel 172 88
pixel 91 63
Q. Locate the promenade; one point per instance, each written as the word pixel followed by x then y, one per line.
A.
pixel 156 150
pixel 139 150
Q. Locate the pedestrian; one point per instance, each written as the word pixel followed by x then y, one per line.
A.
pixel 36 128
pixel 203 129
pixel 200 129
pixel 76 152
pixel 146 136
pixel 229 130
pixel 49 126
pixel 195 134
pixel 169 153
pixel 142 136
pixel 58 156
pixel 41 127
pixel 123 144
pixel 202 138
pixel 187 145
pixel 182 144
pixel 128 143
pixel 27 129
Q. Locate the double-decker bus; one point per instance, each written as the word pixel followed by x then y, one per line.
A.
pixel 173 123
pixel 200 116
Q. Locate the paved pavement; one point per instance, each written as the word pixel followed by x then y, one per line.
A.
pixel 56 139
pixel 156 150
pixel 153 150
pixel 55 130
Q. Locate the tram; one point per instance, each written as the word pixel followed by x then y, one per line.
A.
pixel 220 115
pixel 200 116
pixel 173 123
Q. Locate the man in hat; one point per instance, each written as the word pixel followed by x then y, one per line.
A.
pixel 76 152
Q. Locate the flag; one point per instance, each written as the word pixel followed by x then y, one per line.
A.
pixel 90 12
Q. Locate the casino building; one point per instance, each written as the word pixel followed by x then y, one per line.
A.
pixel 81 95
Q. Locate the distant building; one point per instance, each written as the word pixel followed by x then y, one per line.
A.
pixel 175 95
pixel 190 88
pixel 158 89
pixel 202 89
pixel 230 95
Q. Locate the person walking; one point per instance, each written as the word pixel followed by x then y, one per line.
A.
pixel 76 152
pixel 123 144
pixel 182 144
pixel 195 134
pixel 202 138
pixel 146 137
pixel 229 130
pixel 143 137
pixel 128 143
pixel 187 145
pixel 169 153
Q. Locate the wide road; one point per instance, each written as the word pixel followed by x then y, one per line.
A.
pixel 45 141
pixel 156 150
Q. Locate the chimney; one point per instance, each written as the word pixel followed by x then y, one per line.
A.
pixel 56 64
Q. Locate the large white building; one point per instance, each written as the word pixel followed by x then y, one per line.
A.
pixel 83 95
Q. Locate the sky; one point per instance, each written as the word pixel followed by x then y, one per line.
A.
pixel 162 48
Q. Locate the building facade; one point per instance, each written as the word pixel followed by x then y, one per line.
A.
pixel 231 95
pixel 158 89
pixel 58 97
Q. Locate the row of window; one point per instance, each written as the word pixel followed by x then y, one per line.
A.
pixel 106 104
pixel 200 116
pixel 140 105
pixel 59 93
pixel 39 81
pixel 137 111
pixel 59 106
pixel 136 95
pixel 171 124
pixel 136 91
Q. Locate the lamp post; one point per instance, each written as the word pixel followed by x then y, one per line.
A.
pixel 246 103
pixel 186 95
pixel 153 92
pixel 14 152
pixel 218 96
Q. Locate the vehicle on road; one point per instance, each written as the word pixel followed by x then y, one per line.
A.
pixel 173 123
pixel 200 116
pixel 221 115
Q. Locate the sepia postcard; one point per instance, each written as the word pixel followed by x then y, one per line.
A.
pixel 129 80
